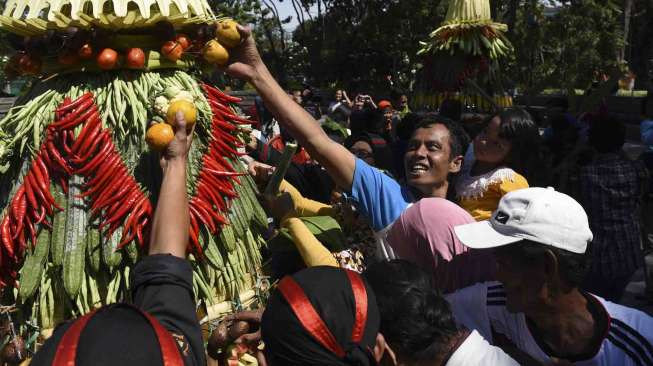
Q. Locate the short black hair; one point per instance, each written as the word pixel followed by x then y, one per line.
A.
pixel 573 267
pixel 415 319
pixel 458 138
pixel 606 134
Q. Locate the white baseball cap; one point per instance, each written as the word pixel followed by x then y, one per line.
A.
pixel 541 215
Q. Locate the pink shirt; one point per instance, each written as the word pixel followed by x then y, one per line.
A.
pixel 424 234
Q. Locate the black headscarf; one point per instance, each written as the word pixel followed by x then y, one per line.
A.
pixel 329 291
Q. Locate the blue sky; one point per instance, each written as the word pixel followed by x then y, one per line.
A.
pixel 285 9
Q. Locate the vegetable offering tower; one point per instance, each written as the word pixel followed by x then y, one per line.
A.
pixel 469 45
pixel 78 179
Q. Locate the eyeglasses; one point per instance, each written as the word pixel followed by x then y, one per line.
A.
pixel 362 154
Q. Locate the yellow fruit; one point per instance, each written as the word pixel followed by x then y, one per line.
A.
pixel 188 108
pixel 159 136
pixel 214 53
pixel 227 33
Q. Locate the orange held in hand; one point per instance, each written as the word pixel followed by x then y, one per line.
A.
pixel 227 33
pixel 214 53
pixel 188 108
pixel 159 136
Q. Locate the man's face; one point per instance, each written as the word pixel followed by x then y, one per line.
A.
pixel 522 280
pixel 363 151
pixel 428 159
pixel 403 101
pixel 338 95
pixel 387 114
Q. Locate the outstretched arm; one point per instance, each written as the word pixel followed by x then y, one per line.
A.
pixel 246 64
pixel 171 220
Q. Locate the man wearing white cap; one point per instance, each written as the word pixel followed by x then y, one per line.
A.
pixel 540 238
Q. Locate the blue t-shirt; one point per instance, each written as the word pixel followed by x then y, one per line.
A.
pixel 646 130
pixel 379 198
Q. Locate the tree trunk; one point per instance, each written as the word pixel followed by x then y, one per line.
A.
pixel 628 9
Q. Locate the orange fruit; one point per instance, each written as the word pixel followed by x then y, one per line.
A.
pixel 188 108
pixel 159 136
pixel 214 53
pixel 227 33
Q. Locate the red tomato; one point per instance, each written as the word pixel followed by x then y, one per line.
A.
pixel 86 52
pixel 68 58
pixel 172 50
pixel 135 58
pixel 29 65
pixel 183 40
pixel 107 59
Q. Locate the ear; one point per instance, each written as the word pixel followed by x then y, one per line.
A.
pixel 552 271
pixel 456 164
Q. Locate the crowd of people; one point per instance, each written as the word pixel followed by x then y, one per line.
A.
pixel 491 244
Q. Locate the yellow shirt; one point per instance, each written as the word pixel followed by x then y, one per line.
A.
pixel 480 195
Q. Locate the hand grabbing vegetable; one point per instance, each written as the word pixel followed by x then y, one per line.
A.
pixel 282 207
pixel 260 172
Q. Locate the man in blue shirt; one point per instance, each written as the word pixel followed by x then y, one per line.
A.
pixel 435 150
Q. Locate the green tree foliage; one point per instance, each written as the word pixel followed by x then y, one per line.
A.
pixel 569 47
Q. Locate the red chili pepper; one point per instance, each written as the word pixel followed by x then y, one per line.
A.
pixel 6 237
pixel 19 209
pixel 99 157
pixel 43 153
pixel 208 209
pixel 217 199
pixel 90 140
pixel 104 138
pixel 44 169
pixel 237 119
pixel 220 95
pixel 110 164
pixel 110 210
pixel 64 144
pixel 101 202
pixel 219 106
pixel 139 230
pixel 91 124
pixel 129 225
pixel 59 112
pixel 126 239
pixel 31 198
pixel 47 205
pixel 68 121
pixel 103 183
pixel 224 148
pixel 206 219
pixel 220 123
pixel 65 107
pixel 60 161
pixel 126 207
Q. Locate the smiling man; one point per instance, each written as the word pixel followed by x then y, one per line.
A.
pixel 436 149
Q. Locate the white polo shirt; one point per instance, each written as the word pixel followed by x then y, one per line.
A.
pixel 628 339
pixel 476 351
